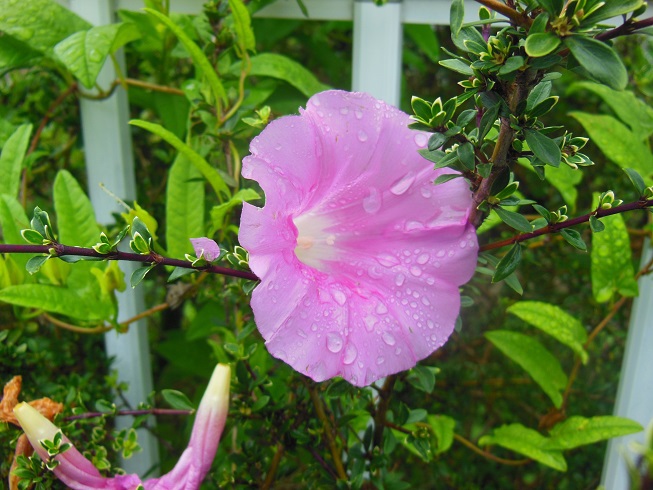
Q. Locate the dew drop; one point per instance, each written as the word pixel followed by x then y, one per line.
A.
pixel 372 203
pixel 362 136
pixel 425 301
pixel 334 342
pixel 301 333
pixel 380 360
pixel 423 259
pixel 388 338
pixel 316 101
pixel 339 296
pixel 403 184
pixel 387 260
pixel 399 279
pixel 416 271
pixel 344 111
pixel 426 192
pixel 370 321
pixel 381 309
pixel 350 354
pixel 420 140
pixel 314 327
pixel 358 113
pixel 434 338
pixel 429 323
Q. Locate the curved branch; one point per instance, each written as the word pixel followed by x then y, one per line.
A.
pixel 501 8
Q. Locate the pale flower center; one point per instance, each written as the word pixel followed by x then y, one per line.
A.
pixel 314 244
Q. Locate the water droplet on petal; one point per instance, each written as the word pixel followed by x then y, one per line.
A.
pixel 403 184
pixel 362 136
pixel 314 327
pixel 423 259
pixel 334 342
pixel 388 338
pixel 339 296
pixel 425 301
pixel 372 203
pixel 381 309
pixel 399 279
pixel 426 192
pixel 420 140
pixel 358 113
pixel 315 101
pixel 350 354
pixel 344 111
pixel 387 260
pixel 370 321
pixel 380 360
pixel 416 271
pixel 413 225
pixel 301 333
pixel 278 147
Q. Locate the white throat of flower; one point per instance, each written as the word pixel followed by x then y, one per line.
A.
pixel 314 244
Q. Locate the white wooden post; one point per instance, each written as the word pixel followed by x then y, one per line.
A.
pixel 635 392
pixel 108 151
pixel 378 41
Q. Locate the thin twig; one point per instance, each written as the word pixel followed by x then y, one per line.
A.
pixel 59 250
pixel 553 228
pixel 134 413
pixel 274 466
pixel 490 456
pixel 519 19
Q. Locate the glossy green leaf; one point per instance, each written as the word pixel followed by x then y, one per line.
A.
pixel 508 264
pixel 528 442
pixel 514 220
pixel 596 224
pixel 465 154
pixel 457 66
pixel 184 207
pixel 139 274
pixel 541 44
pixel 278 66
pixel 574 238
pixel 535 359
pixel 540 92
pixel 75 215
pixel 456 16
pixel 612 266
pixel 636 179
pixel 611 8
pixel 200 60
pixel 487 121
pixel 555 322
pixel 599 59
pixel 243 25
pixel 40 24
pixel 11 160
pixel 56 299
pixel 15 54
pixel 578 431
pixel 35 263
pixel 177 400
pixel 617 142
pixel 544 148
pixel 208 172
pixel 512 64
pixel 85 52
pixel 443 430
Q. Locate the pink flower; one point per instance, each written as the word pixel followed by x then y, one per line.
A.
pixel 78 473
pixel 360 256
pixel 205 248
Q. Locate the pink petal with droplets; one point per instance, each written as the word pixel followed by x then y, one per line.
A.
pixel 360 256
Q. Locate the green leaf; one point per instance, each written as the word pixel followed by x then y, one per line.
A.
pixel 540 92
pixel 617 142
pixel 74 211
pixel 139 274
pixel 579 431
pixel 512 64
pixel 465 154
pixel 456 16
pixel 200 60
pixel 543 107
pixel 40 24
pixel 528 442
pixel 445 178
pixel 11 160
pixel 422 378
pixel 210 173
pixel 544 148
pixel 279 66
pixel 457 66
pixel 508 264
pixel 177 400
pixel 425 38
pixel 85 52
pixel 612 265
pixel 573 238
pixel 636 180
pixel 596 224
pixel 599 59
pixel 443 429
pixel 611 8
pixel 15 54
pixel 184 207
pixel 514 220
pixel 541 44
pixel 35 263
pixel 56 299
pixel 487 120
pixel 535 359
pixel 468 35
pixel 12 220
pixel 218 212
pixel 555 322
pixel 631 110
pixel 243 25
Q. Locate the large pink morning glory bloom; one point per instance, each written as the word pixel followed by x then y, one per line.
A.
pixel 360 256
pixel 78 473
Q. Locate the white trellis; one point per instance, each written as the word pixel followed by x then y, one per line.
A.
pixel 377 70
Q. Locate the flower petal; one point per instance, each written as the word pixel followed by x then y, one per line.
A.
pixel 360 267
pixel 205 247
